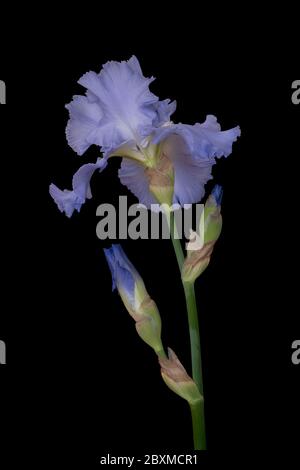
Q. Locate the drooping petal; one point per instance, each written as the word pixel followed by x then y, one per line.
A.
pixel 82 178
pixel 204 140
pixel 68 201
pixel 133 176
pixel 192 150
pixel 207 142
pixel 190 174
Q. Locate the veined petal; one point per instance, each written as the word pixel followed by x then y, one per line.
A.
pixel 68 201
pixel 132 175
pixel 190 174
pixel 192 150
pixel 204 140
pixel 126 104
pixel 118 108
pixel 85 117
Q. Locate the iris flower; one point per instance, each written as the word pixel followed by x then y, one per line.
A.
pixel 124 118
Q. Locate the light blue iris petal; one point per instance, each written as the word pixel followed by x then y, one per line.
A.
pixel 110 258
pixel 217 193
pixel 118 108
pixel 85 117
pixel 133 176
pixel 124 275
pixel 68 201
pixel 164 110
pixel 204 141
pixel 192 150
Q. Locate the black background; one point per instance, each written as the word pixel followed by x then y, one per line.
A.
pixel 78 381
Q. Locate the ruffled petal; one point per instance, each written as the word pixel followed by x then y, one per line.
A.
pixel 82 178
pixel 164 110
pixel 68 201
pixel 191 174
pixel 133 176
pixel 118 108
pixel 205 141
pixel 192 150
pixel 85 117
pixel 126 103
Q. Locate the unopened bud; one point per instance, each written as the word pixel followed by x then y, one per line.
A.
pixel 177 379
pixel 135 297
pixel 198 258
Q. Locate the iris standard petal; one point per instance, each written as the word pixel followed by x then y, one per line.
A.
pixel 85 117
pixel 121 108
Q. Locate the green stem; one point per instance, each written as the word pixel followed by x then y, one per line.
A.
pixel 176 242
pixel 190 298
pixel 189 291
pixel 197 411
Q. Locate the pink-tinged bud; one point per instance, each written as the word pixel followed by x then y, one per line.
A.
pixel 148 325
pixel 177 379
pixel 199 250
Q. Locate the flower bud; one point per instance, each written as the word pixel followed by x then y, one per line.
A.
pixel 199 252
pixel 177 379
pixel 135 297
